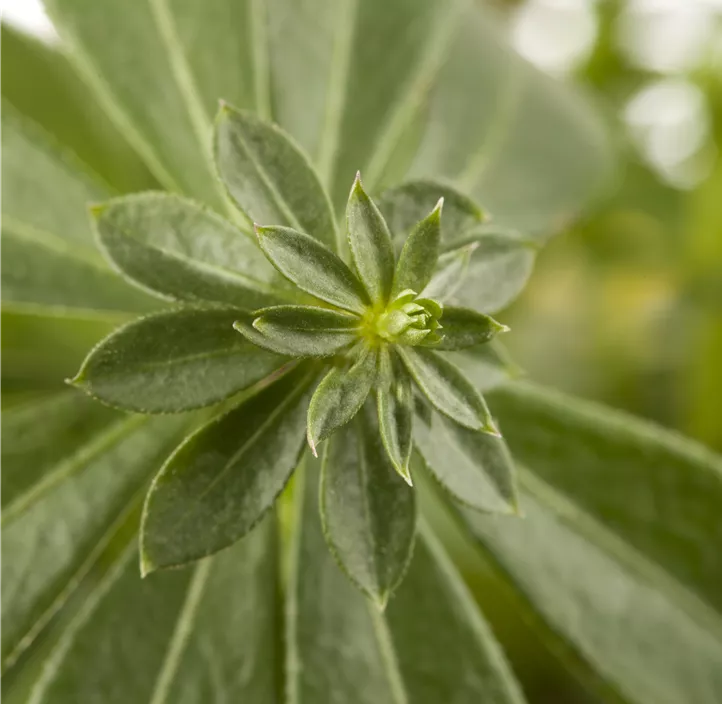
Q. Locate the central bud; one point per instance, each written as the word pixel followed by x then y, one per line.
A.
pixel 408 320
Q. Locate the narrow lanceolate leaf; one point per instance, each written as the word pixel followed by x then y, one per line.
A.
pixel 174 635
pixel 614 553
pixel 395 650
pixel 313 267
pixel 304 331
pixel 173 362
pixel 447 389
pixel 368 510
pixel 63 517
pixel 370 242
pixel 269 177
pixel 420 253
pixel 181 250
pixel 218 484
pixel 485 366
pixel 405 205
pixel 339 397
pixel 463 327
pixel 475 468
pixel 395 401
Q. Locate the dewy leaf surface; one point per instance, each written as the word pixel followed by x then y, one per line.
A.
pixel 218 484
pixel 447 389
pixel 174 361
pixel 54 529
pixel 302 331
pixel 178 637
pixel 477 469
pixel 313 267
pixel 269 178
pixel 394 650
pixel 125 50
pixel 368 510
pixel 369 240
pixel 618 550
pixel 179 249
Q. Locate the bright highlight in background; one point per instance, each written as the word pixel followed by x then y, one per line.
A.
pixel 30 16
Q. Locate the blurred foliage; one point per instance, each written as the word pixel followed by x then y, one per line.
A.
pixel 626 306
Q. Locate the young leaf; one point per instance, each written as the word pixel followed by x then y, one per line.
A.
pixel 370 243
pixel 368 511
pixel 75 504
pixel 339 397
pixel 463 327
pixel 303 331
pixel 268 176
pixel 475 468
pixel 449 655
pixel 420 253
pixel 395 402
pixel 312 267
pixel 182 250
pixel 174 361
pixel 218 484
pixel 447 389
pixel 405 205
pixel 165 629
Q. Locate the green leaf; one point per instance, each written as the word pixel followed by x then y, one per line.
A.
pixel 447 389
pixel 499 267
pixel 269 178
pixel 370 243
pixel 175 635
pixel 303 331
pixel 41 434
pixel 393 651
pixel 181 250
pixel 485 366
pixel 339 397
pixel 129 56
pixel 475 468
pixel 312 267
pixel 463 328
pixel 420 253
pixel 451 270
pixel 395 401
pixel 218 484
pixel 60 519
pixel 174 361
pixel 35 75
pixel 368 511
pixel 619 515
pixel 405 205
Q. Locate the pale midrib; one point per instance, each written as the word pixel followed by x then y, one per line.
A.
pixel 55 243
pixel 260 54
pixel 65 469
pixel 337 88
pixel 104 93
pixel 225 275
pixel 387 654
pixel 57 656
pixel 277 198
pixel 437 49
pixel 199 117
pixel 480 162
pixel 181 633
pixel 370 537
pixel 459 592
pixel 632 560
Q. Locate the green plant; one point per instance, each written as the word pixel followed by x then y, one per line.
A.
pixel 614 560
